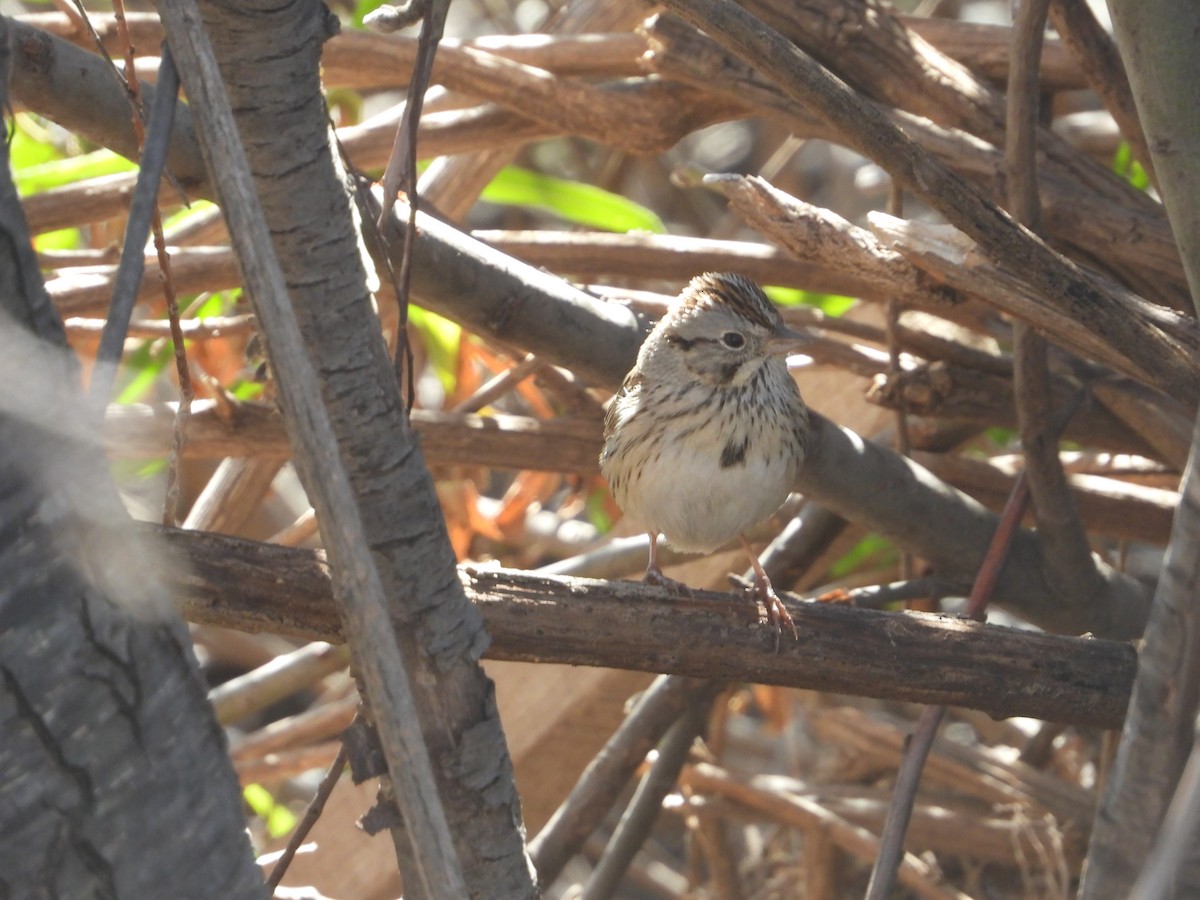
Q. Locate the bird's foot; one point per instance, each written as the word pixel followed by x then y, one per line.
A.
pixel 777 614
pixel 655 576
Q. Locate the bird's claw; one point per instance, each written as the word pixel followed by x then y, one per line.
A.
pixel 655 576
pixel 777 614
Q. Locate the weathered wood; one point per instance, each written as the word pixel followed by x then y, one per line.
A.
pixel 628 625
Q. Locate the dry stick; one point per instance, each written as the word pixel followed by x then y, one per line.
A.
pixel 453 184
pixel 85 20
pixel 895 207
pixel 707 829
pixel 326 720
pixel 772 797
pixel 914 657
pixel 272 682
pixel 401 171
pixel 357 59
pixel 497 387
pixel 211 328
pixel 75 23
pixel 304 527
pixel 949 255
pixel 644 808
pixel 360 593
pixel 1159 729
pixel 141 211
pixel 1069 561
pixel 842 255
pixel 388 18
pixel 315 808
pixel 502 129
pixel 233 493
pixel 1163 359
pixel 891 845
pixel 1146 251
pixel 597 788
pixel 1096 54
pixel 186 392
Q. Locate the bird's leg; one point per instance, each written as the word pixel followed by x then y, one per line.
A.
pixel 777 613
pixel 655 576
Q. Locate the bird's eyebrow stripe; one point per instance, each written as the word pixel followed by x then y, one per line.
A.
pixel 687 343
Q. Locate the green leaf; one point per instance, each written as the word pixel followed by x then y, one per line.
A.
pixel 213 305
pixel 43 177
pixel 1129 168
pixel 279 819
pixel 583 204
pixel 63 239
pixel 194 210
pixel 1002 437
pixel 246 390
pixel 831 304
pixel 259 799
pixel 596 513
pixel 442 338
pixel 873 548
pixel 28 147
pixel 362 9
pixel 152 468
pixel 148 363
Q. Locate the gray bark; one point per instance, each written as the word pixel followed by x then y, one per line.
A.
pixel 269 56
pixel 116 778
pixel 1158 42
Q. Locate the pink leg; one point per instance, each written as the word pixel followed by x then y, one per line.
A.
pixel 777 613
pixel 655 576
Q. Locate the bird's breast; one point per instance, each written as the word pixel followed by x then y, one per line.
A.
pixel 701 468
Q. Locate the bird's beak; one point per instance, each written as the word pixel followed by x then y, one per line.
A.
pixel 785 341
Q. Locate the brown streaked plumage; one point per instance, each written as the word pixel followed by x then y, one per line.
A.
pixel 708 432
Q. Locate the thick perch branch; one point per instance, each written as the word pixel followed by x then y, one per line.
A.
pixel 619 624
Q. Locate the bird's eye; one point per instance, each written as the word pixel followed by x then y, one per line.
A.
pixel 734 340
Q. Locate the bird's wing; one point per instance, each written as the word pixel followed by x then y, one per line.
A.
pixel 612 415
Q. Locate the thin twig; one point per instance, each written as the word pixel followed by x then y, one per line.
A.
pixel 643 810
pixel 895 207
pixel 186 392
pixel 904 794
pixel 1096 53
pixel 103 51
pixel 497 387
pixel 141 212
pixel 315 808
pixel 1069 563
pixel 598 787
pixel 401 170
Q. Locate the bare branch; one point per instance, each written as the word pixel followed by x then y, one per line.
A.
pixel 909 656
pixel 360 588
